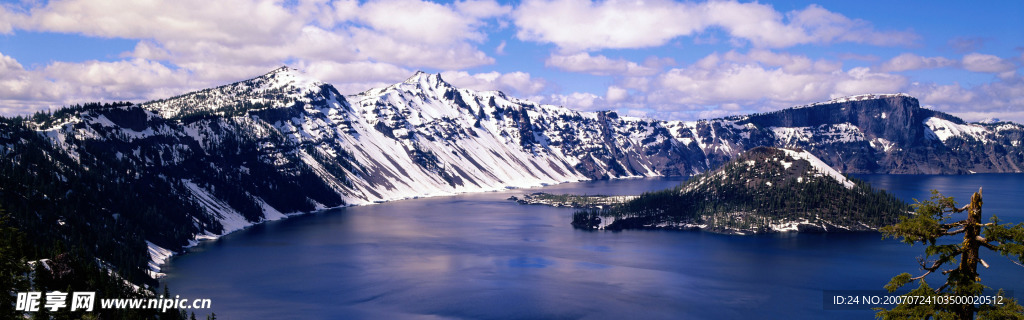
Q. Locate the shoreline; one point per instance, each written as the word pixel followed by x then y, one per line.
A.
pixel 160 256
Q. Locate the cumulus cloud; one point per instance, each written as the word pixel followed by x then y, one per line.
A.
pixel 1000 99
pixel 864 80
pixel 428 22
pixel 910 61
pixel 583 25
pixel 734 83
pixel 482 8
pixel 781 78
pixel 598 65
pixel 198 43
pixel 978 62
pixel 616 94
pixel 355 77
pixel 412 33
pixel 515 83
pixel 24 91
pixel 583 101
pixel 823 26
pixel 791 63
pixel 6 20
pixel 228 21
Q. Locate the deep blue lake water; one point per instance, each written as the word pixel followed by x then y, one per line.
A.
pixel 479 256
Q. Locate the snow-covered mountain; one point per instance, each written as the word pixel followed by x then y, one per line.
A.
pixel 283 143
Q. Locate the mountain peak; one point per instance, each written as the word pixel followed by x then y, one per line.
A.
pixel 283 68
pixel 431 79
pixel 265 90
pixel 286 76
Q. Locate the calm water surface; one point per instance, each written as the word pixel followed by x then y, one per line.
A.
pixel 480 256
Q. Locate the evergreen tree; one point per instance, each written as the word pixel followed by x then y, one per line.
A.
pixel 12 267
pixel 931 223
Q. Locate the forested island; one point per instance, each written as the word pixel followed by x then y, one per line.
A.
pixel 764 190
pixel 572 200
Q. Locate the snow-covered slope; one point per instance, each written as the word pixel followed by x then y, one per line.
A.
pixel 819 166
pixel 945 129
pixel 284 143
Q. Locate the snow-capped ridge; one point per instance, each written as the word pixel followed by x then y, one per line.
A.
pixel 281 87
pixel 859 97
pixel 990 121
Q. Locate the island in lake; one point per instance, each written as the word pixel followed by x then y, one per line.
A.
pixel 762 191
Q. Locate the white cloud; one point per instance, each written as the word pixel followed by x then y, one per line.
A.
pixel 6 20
pixel 616 94
pixel 355 77
pixel 501 48
pixel 9 66
pixel 863 80
pixel 598 65
pixel 757 23
pixel 763 76
pixel 58 84
pixel 910 61
pixel 372 46
pixel 583 25
pixel 942 94
pixel 201 43
pixel 577 25
pixel 482 9
pixel 790 63
pixel 227 21
pixel 515 83
pixel 411 33
pixel 1000 99
pixel 583 101
pixel 978 62
pixel 428 22
pixel 823 26
pixel 734 83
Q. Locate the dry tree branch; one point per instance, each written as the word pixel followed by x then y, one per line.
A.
pixel 958 231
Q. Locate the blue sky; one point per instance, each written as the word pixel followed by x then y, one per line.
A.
pixel 653 58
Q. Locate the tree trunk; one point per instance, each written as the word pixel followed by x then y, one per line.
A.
pixel 969 258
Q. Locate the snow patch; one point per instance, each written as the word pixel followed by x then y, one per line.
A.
pixel 786 164
pixel 880 143
pixel 157 257
pixel 945 129
pixel 820 166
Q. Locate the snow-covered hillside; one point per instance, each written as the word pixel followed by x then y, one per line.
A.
pixel 283 143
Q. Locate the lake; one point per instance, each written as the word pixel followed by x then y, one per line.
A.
pixel 480 256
